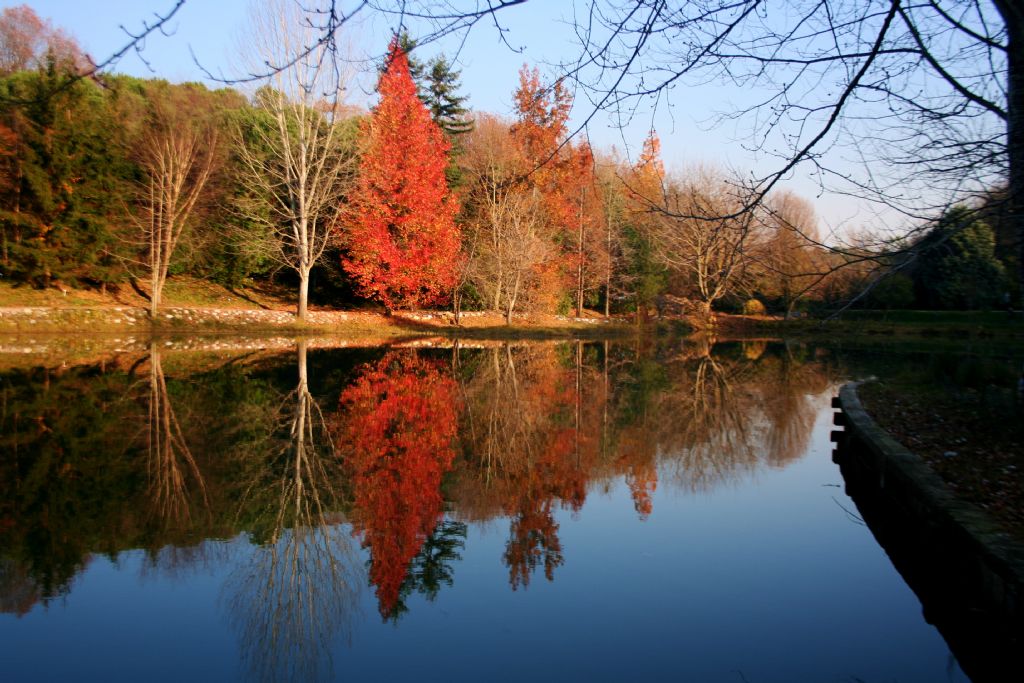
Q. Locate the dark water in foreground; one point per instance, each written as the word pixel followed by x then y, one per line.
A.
pixel 530 512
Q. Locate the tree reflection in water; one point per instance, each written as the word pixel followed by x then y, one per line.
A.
pixel 525 451
pixel 171 468
pixel 729 414
pixel 421 448
pixel 300 587
pixel 543 424
pixel 398 426
pixel 788 384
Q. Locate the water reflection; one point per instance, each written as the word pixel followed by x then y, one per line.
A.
pixel 343 470
pixel 299 587
pixel 522 451
pixel 172 471
pixel 397 426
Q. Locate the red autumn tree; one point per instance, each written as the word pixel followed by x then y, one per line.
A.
pixel 402 243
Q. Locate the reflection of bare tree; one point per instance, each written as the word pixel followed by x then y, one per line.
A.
pixel 710 435
pixel 507 427
pixel 170 464
pixel 297 592
pixel 300 587
pixel 787 388
pixel 730 412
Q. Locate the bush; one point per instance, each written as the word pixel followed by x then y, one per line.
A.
pixel 753 307
pixel 895 292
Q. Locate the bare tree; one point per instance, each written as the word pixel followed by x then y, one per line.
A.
pixel 28 42
pixel 297 158
pixel 704 236
pixel 518 245
pixel 611 198
pixel 507 218
pixel 786 259
pixel 177 157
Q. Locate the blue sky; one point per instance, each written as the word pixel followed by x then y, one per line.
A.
pixel 212 30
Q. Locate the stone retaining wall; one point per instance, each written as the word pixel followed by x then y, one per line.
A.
pixel 967 572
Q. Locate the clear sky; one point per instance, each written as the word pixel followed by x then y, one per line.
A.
pixel 213 30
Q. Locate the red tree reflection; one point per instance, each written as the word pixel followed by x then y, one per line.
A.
pixel 400 426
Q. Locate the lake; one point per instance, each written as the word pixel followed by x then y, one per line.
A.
pixel 601 511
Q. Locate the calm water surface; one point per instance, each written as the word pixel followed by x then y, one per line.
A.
pixel 582 511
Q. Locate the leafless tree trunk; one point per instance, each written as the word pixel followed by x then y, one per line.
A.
pixel 300 162
pixel 178 159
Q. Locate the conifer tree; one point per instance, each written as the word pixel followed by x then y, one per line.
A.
pixel 442 98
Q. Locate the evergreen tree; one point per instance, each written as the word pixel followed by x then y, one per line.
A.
pixel 445 105
pixel 442 98
pixel 957 268
pixel 64 179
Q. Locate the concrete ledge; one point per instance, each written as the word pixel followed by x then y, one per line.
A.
pixel 934 495
pixel 967 572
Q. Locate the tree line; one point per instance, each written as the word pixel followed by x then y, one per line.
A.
pixel 110 180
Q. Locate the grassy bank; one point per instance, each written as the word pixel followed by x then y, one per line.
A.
pixel 199 307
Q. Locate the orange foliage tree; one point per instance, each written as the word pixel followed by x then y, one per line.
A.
pixel 400 426
pixel 28 42
pixel 563 177
pixel 402 243
pixel 540 130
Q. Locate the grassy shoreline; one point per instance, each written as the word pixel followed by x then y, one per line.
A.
pixel 200 307
pixel 353 324
pixel 197 307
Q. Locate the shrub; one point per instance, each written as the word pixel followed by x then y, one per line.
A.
pixel 753 307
